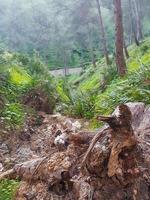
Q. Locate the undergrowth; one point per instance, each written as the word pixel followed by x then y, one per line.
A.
pixel 99 90
pixel 8 189
pixel 19 76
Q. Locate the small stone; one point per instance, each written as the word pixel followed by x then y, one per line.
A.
pixel 1 167
pixel 135 192
pixel 76 126
pixel 4 149
pixel 130 171
pixel 119 171
pixel 126 154
pixel 136 171
pixel 103 148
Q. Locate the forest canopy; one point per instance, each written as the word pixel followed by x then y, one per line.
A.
pixel 66 32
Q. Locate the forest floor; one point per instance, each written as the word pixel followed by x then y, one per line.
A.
pixel 48 158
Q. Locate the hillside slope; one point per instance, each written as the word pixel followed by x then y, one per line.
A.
pixel 99 90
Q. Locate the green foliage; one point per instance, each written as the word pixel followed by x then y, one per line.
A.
pixel 139 55
pixel 83 105
pixel 8 189
pixel 73 102
pixel 99 90
pixel 13 115
pixel 36 66
pixel 63 91
pixel 21 58
pixel 19 76
pixel 129 89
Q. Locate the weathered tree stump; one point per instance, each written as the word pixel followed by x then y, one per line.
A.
pixel 122 135
pixel 116 160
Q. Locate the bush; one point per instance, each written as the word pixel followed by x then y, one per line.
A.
pixel 83 105
pixel 131 88
pixel 13 115
pixel 77 104
pixel 35 66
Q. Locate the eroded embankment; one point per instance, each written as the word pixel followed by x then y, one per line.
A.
pixel 59 161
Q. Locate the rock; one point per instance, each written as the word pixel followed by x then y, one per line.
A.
pixel 68 123
pixel 1 167
pixel 4 149
pixel 76 126
pixel 24 153
pixel 61 141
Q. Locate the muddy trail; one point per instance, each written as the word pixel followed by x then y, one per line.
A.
pixel 61 159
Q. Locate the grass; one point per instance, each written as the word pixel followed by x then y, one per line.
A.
pixel 88 87
pixel 19 76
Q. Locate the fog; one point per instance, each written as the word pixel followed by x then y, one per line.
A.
pixel 63 31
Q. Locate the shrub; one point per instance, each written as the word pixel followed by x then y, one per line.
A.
pixel 36 66
pixel 13 115
pixel 83 105
pixel 131 88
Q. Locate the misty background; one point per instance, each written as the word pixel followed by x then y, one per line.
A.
pixel 64 32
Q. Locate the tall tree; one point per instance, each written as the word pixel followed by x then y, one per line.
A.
pixel 126 50
pixel 138 20
pixel 101 25
pixel 120 60
pixel 135 24
pixel 93 56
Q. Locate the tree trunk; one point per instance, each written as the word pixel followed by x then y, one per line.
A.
pixel 126 50
pixel 92 54
pixel 93 58
pixel 133 24
pixel 65 63
pixel 102 31
pixel 138 20
pixel 120 61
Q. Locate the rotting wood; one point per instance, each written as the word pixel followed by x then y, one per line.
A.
pixel 6 174
pixel 122 137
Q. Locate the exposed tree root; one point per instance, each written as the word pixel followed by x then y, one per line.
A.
pixel 122 137
pixel 96 138
pixel 7 174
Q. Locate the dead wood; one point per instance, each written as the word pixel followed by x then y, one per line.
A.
pixel 122 137
pixel 96 138
pixel 116 164
pixel 7 174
